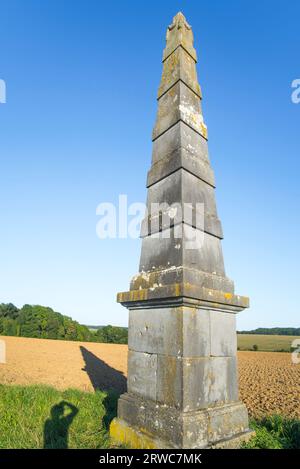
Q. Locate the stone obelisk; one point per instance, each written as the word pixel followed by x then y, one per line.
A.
pixel 182 366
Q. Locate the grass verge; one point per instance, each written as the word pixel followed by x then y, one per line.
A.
pixel 275 432
pixel 43 417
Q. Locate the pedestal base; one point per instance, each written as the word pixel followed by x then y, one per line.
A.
pixel 123 434
pixel 149 425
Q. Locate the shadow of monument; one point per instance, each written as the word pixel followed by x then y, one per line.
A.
pixel 56 428
pixel 104 378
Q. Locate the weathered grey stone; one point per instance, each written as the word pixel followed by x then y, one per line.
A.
pixel 232 379
pixel 195 383
pixel 235 442
pixel 181 275
pixel 195 332
pixel 182 294
pixel 207 382
pixel 179 103
pixel 182 366
pixel 196 194
pixel 180 146
pixel 223 334
pixel 160 252
pixel 174 429
pixel 161 420
pixel 194 248
pixel 182 332
pixel 181 158
pixel 180 136
pixel 157 331
pixel 142 371
pixel 179 34
pixel 179 66
pixel 194 430
pixel 169 381
pixel 227 421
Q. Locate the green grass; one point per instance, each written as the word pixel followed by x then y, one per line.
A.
pixel 40 416
pixel 268 343
pixel 275 432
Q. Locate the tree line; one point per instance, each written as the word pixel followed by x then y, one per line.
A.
pixel 273 331
pixel 38 321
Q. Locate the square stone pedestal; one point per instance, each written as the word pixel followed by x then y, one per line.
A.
pixel 182 381
pixel 144 424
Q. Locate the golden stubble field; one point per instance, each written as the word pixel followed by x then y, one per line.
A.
pixel 269 382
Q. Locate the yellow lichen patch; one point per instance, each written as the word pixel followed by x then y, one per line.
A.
pixel 170 71
pixel 123 434
pixel 132 295
pixel 228 296
pixel 119 297
pixel 179 65
pixel 203 130
pixel 137 295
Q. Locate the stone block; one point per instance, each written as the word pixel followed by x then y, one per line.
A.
pixel 151 417
pixel 180 136
pixel 182 185
pixel 179 294
pixel 182 246
pixel 223 334
pixel 179 66
pixel 205 254
pixel 198 209
pixel 179 34
pixel 142 374
pixel 196 333
pixel 160 426
pixel 216 381
pixel 169 381
pixel 182 332
pixel 194 430
pixel 156 331
pixel 208 382
pixel 179 103
pixel 196 383
pixel 184 275
pixel 227 421
pixel 181 158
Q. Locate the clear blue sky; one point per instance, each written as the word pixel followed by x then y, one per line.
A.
pixel 81 79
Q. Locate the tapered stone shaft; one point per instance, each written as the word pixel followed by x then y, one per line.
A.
pixel 182 370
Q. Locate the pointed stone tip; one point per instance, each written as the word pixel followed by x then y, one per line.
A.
pixel 179 20
pixel 180 15
pixel 179 33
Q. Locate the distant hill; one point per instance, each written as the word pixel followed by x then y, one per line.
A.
pixel 295 331
pixel 92 327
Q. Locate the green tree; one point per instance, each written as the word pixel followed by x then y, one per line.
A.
pixel 112 335
pixel 43 322
pixel 70 329
pixel 8 327
pixel 9 310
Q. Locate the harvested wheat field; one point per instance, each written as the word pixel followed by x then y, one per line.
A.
pixel 269 382
pixel 64 364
